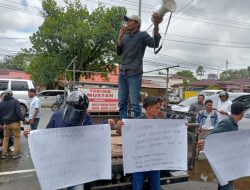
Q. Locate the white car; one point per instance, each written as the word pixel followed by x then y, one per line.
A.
pixel 210 92
pixel 184 105
pixel 24 105
pixel 20 88
pixel 174 98
pixel 49 97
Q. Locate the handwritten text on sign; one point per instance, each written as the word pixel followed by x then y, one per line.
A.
pixel 154 144
pixel 229 154
pixel 69 156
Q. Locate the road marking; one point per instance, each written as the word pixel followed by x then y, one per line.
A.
pixel 17 172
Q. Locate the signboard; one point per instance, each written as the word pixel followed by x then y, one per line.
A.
pixel 101 99
pixel 70 156
pixel 154 144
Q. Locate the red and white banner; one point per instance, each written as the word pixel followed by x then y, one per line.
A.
pixel 102 99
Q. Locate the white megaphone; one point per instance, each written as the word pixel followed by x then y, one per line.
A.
pixel 166 6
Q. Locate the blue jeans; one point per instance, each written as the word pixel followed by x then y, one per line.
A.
pixel 229 186
pixel 153 178
pixel 129 89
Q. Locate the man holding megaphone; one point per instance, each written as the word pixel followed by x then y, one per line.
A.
pixel 131 45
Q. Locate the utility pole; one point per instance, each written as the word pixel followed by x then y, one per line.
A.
pixel 227 64
pixel 74 76
pixel 139 9
pixel 167 81
pixel 65 75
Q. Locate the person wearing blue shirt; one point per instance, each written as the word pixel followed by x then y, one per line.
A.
pixel 208 118
pixel 228 124
pixel 74 114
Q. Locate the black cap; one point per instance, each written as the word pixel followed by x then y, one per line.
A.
pixel 150 101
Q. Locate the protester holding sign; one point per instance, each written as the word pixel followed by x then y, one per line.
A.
pixel 74 114
pixel 226 125
pixel 152 107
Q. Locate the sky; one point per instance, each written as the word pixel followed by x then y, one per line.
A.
pixel 201 32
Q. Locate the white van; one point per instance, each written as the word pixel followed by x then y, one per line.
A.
pixel 210 92
pixel 20 89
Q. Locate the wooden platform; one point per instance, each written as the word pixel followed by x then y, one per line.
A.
pixel 191 185
pixel 116 142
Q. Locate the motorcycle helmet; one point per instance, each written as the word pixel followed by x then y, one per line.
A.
pixel 224 93
pixel 75 110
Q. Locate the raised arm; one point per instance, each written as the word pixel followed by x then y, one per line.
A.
pixel 122 31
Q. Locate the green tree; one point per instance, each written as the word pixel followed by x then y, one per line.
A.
pixel 200 71
pixel 74 31
pixel 234 74
pixel 213 87
pixel 186 73
pixel 10 62
pixel 185 84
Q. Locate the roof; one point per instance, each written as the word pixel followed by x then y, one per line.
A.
pixel 112 79
pixel 13 74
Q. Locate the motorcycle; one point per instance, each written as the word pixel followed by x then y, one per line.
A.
pixel 58 104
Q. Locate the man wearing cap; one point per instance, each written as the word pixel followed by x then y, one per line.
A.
pixel 131 45
pixel 10 117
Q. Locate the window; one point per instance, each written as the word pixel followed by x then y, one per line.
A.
pixel 19 86
pixel 4 84
pixel 44 94
pixel 245 100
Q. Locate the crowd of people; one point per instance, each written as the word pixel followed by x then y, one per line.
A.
pixel 131 45
pixel 225 118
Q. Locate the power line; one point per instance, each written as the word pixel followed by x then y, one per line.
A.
pixel 23 4
pixel 207 44
pixel 188 62
pixel 18 9
pixel 8 50
pixel 207 39
pixel 10 38
pixel 183 64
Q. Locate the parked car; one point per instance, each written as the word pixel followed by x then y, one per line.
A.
pixel 183 107
pixel 174 98
pixel 210 92
pixel 24 105
pixel 49 97
pixel 19 88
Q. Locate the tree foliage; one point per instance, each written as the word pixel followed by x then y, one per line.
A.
pixel 74 31
pixel 234 74
pixel 186 73
pixel 200 71
pixel 213 87
pixel 14 62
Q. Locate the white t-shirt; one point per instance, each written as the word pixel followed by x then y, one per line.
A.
pixel 208 124
pixel 224 106
pixel 35 103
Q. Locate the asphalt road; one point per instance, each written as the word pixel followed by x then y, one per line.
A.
pixel 19 174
